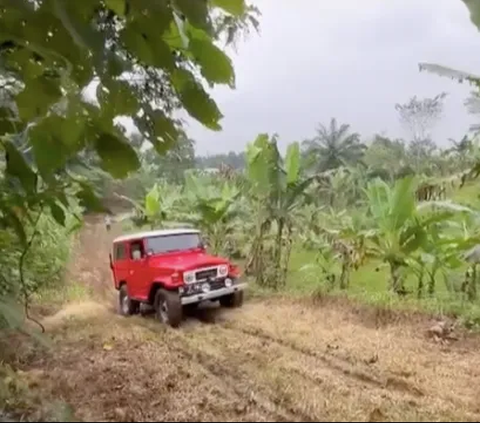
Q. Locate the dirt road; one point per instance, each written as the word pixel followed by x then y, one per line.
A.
pixel 274 360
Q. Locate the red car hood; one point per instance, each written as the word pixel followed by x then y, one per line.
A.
pixel 183 261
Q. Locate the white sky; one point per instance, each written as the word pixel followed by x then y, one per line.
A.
pixel 349 59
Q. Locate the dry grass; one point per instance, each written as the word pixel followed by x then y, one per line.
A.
pixel 265 362
pixel 273 360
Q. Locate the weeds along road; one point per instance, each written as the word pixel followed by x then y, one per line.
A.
pixel 272 360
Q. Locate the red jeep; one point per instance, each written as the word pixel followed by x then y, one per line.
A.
pixel 170 269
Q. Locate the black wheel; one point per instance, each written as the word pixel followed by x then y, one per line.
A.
pixel 168 308
pixel 128 307
pixel 234 300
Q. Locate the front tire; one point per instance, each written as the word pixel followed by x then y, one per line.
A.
pixel 128 307
pixel 234 300
pixel 168 308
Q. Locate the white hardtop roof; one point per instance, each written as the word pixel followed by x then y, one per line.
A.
pixel 160 232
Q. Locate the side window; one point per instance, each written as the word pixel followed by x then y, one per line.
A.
pixel 120 252
pixel 136 250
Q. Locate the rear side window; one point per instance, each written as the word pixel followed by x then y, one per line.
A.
pixel 120 252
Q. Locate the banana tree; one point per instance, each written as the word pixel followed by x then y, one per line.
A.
pixel 213 209
pixel 158 209
pixel 346 234
pixel 278 189
pixel 326 261
pixel 411 234
pixel 398 231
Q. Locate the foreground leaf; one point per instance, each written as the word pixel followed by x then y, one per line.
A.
pixel 196 101
pixel 118 6
pixel 18 167
pixel 215 65
pixel 57 213
pixel 118 157
pixel 234 7
pixel 37 97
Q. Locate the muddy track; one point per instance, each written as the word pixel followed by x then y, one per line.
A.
pixel 275 360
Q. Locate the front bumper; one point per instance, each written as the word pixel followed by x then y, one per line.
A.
pixel 212 295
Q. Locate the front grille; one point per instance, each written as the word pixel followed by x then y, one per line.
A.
pixel 196 288
pixel 205 274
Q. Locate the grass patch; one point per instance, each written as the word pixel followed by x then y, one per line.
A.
pixel 369 285
pixel 69 292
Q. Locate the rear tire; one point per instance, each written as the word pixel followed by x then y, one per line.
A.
pixel 128 307
pixel 234 300
pixel 168 308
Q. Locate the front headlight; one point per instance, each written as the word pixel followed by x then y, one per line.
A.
pixel 223 270
pixel 189 277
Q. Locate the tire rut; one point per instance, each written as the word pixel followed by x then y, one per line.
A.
pixel 238 382
pixel 338 364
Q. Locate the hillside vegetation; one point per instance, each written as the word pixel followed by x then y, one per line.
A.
pixel 362 254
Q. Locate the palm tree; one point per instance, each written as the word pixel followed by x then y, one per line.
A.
pixel 334 147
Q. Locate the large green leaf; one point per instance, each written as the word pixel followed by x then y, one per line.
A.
pixel 196 101
pixel 196 11
pixel 234 7
pixel 75 19
pixel 216 66
pixel 258 162
pixel 117 99
pixel 145 41
pixel 54 140
pixel 118 6
pixel 402 202
pixel 18 167
pixel 292 162
pixel 15 223
pixel 118 157
pixel 88 199
pixel 165 129
pixel 37 97
pixel 50 155
pixel 474 8
pixel 57 212
pixel 152 202
pixel 8 122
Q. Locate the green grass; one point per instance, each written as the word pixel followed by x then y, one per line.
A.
pixel 369 285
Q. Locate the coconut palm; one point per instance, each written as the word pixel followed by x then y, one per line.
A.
pixel 333 147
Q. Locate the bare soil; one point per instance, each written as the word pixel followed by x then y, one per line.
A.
pixel 272 360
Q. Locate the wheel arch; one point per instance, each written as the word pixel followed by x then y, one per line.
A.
pixel 156 285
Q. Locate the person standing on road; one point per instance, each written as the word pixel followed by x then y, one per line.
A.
pixel 108 222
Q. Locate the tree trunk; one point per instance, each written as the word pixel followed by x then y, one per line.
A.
pixel 472 287
pixel 431 283
pixel 420 286
pixel 278 254
pixel 345 275
pixel 396 280
pixel 286 255
pixel 255 264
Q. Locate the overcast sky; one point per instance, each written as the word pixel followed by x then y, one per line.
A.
pixel 349 59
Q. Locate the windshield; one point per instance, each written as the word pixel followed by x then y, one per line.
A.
pixel 165 244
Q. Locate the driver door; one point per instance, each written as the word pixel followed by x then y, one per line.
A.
pixel 138 271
